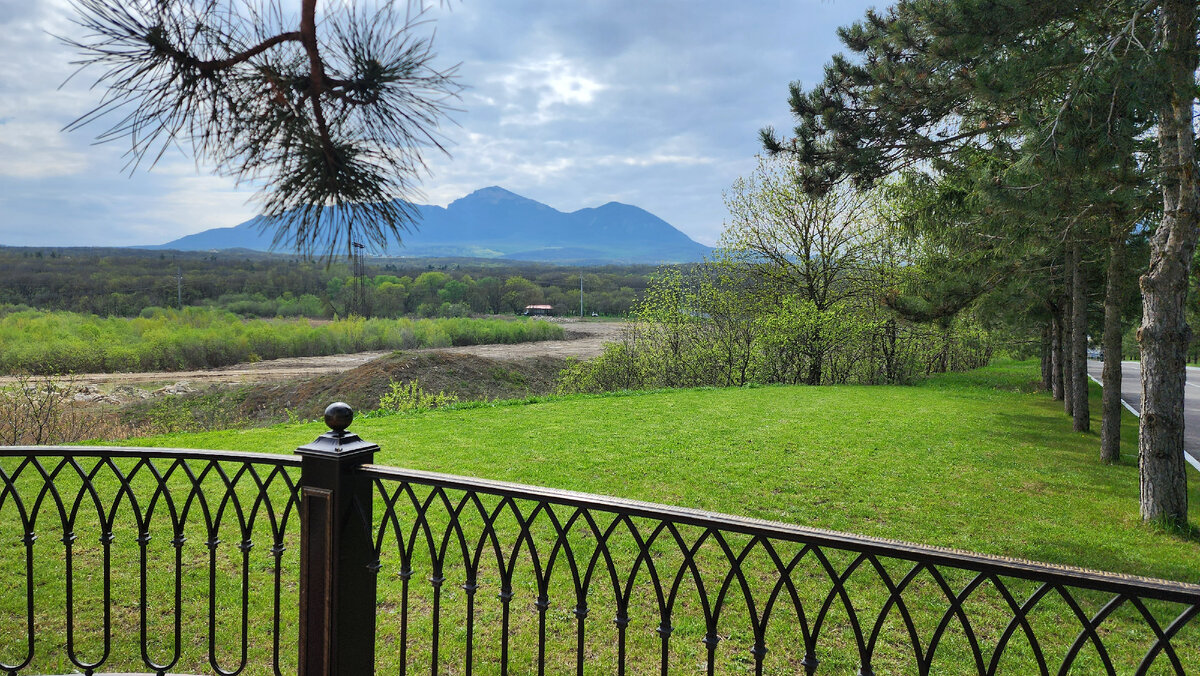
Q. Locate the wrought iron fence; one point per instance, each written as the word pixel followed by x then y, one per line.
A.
pixel 712 591
pixel 107 546
pixel 376 569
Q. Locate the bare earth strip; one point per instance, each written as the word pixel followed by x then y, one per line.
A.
pixel 584 340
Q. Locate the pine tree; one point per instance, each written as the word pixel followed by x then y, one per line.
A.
pixel 327 113
pixel 933 79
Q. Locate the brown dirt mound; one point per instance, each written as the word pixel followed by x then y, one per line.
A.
pixel 470 377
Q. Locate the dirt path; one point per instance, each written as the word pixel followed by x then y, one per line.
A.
pixel 584 340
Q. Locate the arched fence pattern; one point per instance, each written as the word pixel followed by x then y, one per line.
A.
pixel 725 594
pixel 168 560
pixel 124 557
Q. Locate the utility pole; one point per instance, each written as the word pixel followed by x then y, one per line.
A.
pixel 179 285
pixel 360 273
pixel 581 295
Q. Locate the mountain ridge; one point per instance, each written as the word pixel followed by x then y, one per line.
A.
pixel 494 222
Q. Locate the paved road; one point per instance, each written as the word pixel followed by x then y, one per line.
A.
pixel 1131 394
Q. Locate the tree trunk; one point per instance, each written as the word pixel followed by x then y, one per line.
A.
pixel 1081 418
pixel 1047 366
pixel 814 364
pixel 893 375
pixel 1056 353
pixel 1067 352
pixel 1110 417
pixel 1164 334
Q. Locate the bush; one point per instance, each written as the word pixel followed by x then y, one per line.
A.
pixel 42 410
pixel 711 329
pixel 402 398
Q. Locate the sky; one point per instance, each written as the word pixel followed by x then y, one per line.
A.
pixel 655 103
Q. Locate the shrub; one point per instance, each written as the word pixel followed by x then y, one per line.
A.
pixel 42 410
pixel 403 398
pixel 711 327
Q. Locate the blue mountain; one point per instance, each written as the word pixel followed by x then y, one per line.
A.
pixel 496 223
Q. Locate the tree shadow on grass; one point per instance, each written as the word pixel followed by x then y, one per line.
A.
pixel 1100 483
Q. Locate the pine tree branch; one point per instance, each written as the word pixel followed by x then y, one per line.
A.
pixel 308 32
pixel 213 66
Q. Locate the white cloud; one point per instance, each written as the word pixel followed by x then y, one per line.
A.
pixel 533 92
pixel 37 150
pixel 33 106
pixel 568 88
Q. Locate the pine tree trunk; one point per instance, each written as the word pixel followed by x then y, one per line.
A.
pixel 1056 353
pixel 1110 418
pixel 1067 352
pixel 1164 334
pixel 1047 366
pixel 1081 414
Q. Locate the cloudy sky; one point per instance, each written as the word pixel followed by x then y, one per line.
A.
pixel 573 103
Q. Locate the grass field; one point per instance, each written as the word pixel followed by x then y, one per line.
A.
pixel 975 461
pixel 33 341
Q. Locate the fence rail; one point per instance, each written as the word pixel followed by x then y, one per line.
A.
pixel 160 566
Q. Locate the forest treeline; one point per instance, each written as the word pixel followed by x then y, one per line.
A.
pixel 33 341
pixel 122 282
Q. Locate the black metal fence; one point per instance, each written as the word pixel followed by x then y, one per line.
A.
pixel 169 560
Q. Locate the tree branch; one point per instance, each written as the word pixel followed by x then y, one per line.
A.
pixel 218 65
pixel 308 37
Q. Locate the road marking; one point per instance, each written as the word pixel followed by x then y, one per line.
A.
pixel 1123 402
pixel 1186 456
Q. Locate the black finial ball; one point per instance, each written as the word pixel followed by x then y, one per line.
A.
pixel 338 416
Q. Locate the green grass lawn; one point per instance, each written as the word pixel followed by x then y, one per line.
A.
pixel 977 461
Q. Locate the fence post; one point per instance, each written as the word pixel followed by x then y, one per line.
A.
pixel 337 553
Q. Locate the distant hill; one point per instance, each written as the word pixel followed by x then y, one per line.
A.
pixel 496 223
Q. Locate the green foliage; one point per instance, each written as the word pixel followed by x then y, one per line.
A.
pixel 799 294
pixel 214 408
pixel 519 292
pixel 704 336
pixel 411 397
pixel 505 375
pixel 196 337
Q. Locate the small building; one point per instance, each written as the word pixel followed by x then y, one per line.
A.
pixel 542 310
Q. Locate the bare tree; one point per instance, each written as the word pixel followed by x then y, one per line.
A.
pixel 326 113
pixel 42 410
